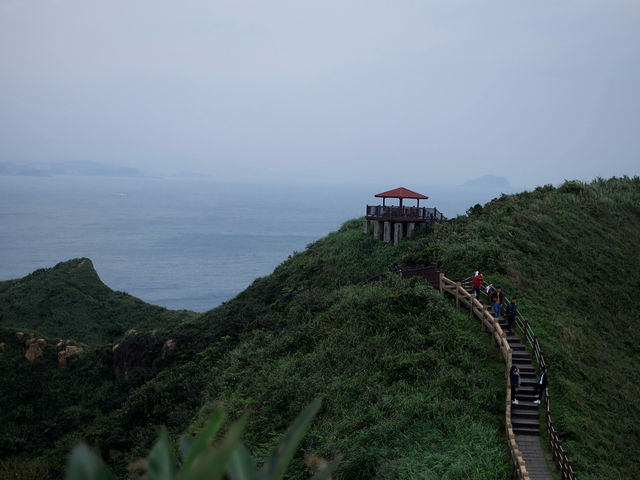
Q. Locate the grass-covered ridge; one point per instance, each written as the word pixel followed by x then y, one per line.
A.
pixel 405 379
pixel 571 255
pixel 411 387
pixel 408 382
pixel 70 301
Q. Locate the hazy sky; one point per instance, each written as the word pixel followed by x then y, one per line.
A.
pixel 402 92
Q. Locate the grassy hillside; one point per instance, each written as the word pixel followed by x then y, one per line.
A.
pixel 409 384
pixel 411 387
pixel 571 255
pixel 407 381
pixel 70 301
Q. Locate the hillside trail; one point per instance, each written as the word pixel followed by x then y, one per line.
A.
pixel 522 419
pixel 525 417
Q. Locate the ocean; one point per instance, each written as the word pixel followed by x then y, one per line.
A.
pixel 179 243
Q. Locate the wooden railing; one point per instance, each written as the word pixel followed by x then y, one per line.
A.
pixel 460 290
pixel 530 339
pixel 499 337
pixel 407 214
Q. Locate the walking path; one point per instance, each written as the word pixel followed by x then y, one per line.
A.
pixel 525 418
pixel 522 420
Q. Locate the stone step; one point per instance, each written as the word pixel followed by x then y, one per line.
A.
pixel 524 405
pixel 527 381
pixel 526 431
pixel 523 365
pixel 525 390
pixel 525 422
pixel 526 398
pixel 523 413
pixel 521 354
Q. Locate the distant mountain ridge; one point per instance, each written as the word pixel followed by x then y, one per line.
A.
pixel 83 168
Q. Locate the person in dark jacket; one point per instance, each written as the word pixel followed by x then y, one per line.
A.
pixel 512 312
pixel 514 379
pixel 542 384
pixel 497 298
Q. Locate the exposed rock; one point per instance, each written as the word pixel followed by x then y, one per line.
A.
pixel 34 350
pixel 137 467
pixel 19 335
pixel 315 463
pixel 68 352
pixel 169 348
pixel 127 356
pixel 134 351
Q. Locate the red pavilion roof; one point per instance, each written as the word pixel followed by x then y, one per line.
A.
pixel 401 192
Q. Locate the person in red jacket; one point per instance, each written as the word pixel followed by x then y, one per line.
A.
pixel 477 284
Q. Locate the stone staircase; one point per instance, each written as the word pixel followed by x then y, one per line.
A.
pixel 525 418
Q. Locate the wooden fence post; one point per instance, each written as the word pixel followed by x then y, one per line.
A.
pixel 441 282
pixel 526 329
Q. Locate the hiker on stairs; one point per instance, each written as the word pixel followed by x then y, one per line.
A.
pixel 514 378
pixel 497 298
pixel 541 385
pixel 512 312
pixel 477 283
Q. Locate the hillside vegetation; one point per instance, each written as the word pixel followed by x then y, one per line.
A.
pixel 411 388
pixel 572 256
pixel 409 385
pixel 70 301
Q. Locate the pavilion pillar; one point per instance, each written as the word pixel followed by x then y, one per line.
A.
pixel 397 233
pixel 411 226
pixel 377 229
pixel 387 232
pixel 365 226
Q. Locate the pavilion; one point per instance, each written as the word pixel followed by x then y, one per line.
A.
pixel 401 219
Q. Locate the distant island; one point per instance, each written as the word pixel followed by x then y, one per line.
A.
pixel 81 168
pixel 495 181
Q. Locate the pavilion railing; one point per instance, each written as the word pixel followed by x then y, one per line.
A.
pixel 424 214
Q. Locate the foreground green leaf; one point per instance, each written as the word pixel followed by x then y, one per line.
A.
pixel 276 466
pixel 86 465
pixel 162 463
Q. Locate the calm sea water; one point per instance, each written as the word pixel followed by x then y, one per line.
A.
pixel 188 244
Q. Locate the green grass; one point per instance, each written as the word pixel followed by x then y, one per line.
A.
pixel 411 388
pixel 409 384
pixel 397 366
pixel 70 301
pixel 571 256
